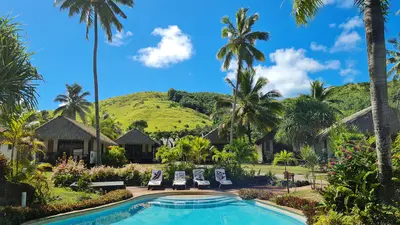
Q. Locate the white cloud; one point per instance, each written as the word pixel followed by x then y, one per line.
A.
pixel 119 38
pixel 332 25
pixel 340 3
pixel 349 39
pixel 289 74
pixel 174 47
pixel 349 72
pixel 352 23
pixel 317 47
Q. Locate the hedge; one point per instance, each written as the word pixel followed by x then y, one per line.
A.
pixel 14 215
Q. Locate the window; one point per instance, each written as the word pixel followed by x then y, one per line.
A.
pixel 9 147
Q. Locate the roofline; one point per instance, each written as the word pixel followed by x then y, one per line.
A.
pixel 134 129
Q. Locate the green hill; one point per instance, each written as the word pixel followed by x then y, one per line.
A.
pixel 160 113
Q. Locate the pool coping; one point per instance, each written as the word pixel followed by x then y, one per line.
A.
pixel 266 204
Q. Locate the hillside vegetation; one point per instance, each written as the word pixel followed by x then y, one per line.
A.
pixel 160 113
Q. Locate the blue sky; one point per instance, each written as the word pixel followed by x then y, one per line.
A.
pixel 173 44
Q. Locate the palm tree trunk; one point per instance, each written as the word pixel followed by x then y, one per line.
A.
pixel 287 179
pixel 12 160
pixel 375 36
pixel 96 91
pixel 235 99
pixel 249 133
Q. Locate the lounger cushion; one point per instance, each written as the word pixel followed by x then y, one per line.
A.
pixel 226 182
pixel 203 182
pixel 179 182
pixel 154 183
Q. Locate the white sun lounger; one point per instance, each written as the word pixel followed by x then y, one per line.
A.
pixel 220 177
pixel 179 180
pixel 198 179
pixel 156 179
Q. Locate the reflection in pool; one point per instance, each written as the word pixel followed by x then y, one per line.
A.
pixel 180 210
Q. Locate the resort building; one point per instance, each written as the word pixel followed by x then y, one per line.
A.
pixel 361 121
pixel 216 140
pixel 63 135
pixel 139 147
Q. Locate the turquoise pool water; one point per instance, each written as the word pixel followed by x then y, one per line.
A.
pixel 186 210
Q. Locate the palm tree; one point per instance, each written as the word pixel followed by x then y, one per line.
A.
pixel 241 41
pixel 394 58
pixel 20 137
pixel 18 77
pixel 285 158
pixel 374 20
pixel 310 158
pixel 320 93
pixel 73 102
pixel 253 107
pixel 90 12
pixel 201 149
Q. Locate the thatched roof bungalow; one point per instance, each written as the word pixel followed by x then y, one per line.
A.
pixel 63 134
pixel 139 147
pixel 217 140
pixel 361 121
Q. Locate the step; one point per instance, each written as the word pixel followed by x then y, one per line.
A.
pixel 192 201
pixel 192 205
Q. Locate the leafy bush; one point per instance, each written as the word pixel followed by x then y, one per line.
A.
pixel 301 183
pixel 67 171
pixel 4 166
pixel 115 156
pixel 295 202
pixel 42 189
pixel 17 215
pixel 249 194
pixel 45 167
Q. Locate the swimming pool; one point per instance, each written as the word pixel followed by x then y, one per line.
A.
pixel 193 210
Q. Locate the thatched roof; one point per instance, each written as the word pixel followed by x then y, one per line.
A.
pixel 215 138
pixel 363 122
pixel 135 137
pixel 67 129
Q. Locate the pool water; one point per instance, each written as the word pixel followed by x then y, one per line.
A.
pixel 184 210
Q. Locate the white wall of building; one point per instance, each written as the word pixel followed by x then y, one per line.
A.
pixel 6 152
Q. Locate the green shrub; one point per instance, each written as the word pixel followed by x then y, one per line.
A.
pixel 17 215
pixel 249 194
pixel 301 183
pixel 294 202
pixel 45 167
pixel 84 183
pixel 115 156
pixel 4 166
pixel 67 171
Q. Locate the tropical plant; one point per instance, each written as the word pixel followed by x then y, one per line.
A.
pixel 286 158
pixel 90 12
pixel 138 125
pixel 241 42
pixel 73 102
pixel 108 124
pixel 201 149
pixel 311 160
pixel 21 139
pixel 253 108
pixel 115 156
pixel 320 93
pixel 303 119
pixel 394 58
pixel 243 152
pixel 375 12
pixel 18 77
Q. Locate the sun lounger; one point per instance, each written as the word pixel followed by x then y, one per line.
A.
pixel 156 179
pixel 198 179
pixel 220 177
pixel 179 180
pixel 107 185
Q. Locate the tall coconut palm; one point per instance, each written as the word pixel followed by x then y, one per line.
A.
pixel 241 41
pixel 73 102
pixel 394 58
pixel 374 20
pixel 18 77
pixel 90 12
pixel 253 107
pixel 321 93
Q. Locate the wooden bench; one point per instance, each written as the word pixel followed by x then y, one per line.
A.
pixel 106 185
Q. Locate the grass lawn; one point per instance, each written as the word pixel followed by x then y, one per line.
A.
pixel 66 195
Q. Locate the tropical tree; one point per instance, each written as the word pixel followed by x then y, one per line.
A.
pixel 320 93
pixel 108 124
pixel 74 102
pixel 302 120
pixel 90 13
pixel 138 125
pixel 310 158
pixel 286 158
pixel 241 45
pixel 18 77
pixel 20 138
pixel 253 107
pixel 201 149
pixel 375 12
pixel 394 58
